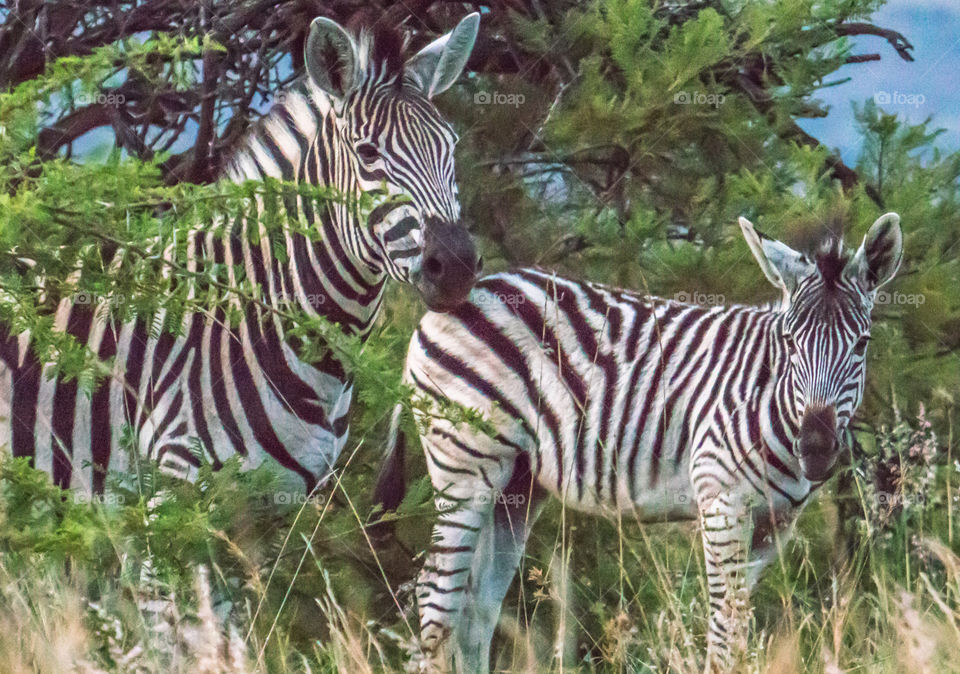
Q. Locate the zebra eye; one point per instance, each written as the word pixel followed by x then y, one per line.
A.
pixel 860 347
pixel 368 152
pixel 790 342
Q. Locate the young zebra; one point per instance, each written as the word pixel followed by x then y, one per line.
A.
pixel 361 120
pixel 618 403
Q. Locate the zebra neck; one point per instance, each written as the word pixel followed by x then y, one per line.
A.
pixel 783 402
pixel 327 274
pixel 344 258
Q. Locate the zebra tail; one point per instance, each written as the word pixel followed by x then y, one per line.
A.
pixel 391 483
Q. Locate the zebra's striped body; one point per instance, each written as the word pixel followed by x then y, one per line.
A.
pixel 618 403
pixel 609 389
pixel 361 121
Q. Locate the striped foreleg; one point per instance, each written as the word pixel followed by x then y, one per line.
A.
pixel 499 554
pixel 443 581
pixel 726 530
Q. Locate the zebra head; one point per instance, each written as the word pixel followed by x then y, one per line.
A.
pixel 398 146
pixel 825 328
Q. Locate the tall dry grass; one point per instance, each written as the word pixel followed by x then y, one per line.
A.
pixel 237 584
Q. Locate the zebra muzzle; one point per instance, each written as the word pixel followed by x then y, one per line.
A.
pixel 819 445
pixel 450 265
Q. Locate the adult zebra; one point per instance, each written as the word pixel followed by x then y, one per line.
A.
pixel 361 120
pixel 619 403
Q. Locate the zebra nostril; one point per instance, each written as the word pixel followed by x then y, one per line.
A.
pixel 432 268
pixel 479 264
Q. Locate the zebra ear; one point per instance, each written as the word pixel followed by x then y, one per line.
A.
pixel 781 264
pixel 438 65
pixel 332 57
pixel 878 257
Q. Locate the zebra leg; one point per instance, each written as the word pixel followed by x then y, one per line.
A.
pixel 465 511
pixel 726 529
pixel 498 555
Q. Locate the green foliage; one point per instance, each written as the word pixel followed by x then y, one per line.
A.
pixel 257 537
pixel 630 169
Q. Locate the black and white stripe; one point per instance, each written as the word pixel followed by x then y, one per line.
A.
pixel 242 388
pixel 618 403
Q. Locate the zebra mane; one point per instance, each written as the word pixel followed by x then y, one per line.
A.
pixel 831 258
pixel 292 121
pixel 382 52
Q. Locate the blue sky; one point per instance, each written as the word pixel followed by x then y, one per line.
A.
pixel 927 87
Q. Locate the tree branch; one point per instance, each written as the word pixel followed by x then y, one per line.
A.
pixel 895 38
pixel 71 127
pixel 862 58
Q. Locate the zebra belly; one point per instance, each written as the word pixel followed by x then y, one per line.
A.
pixel 313 447
pixel 161 402
pixel 625 486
